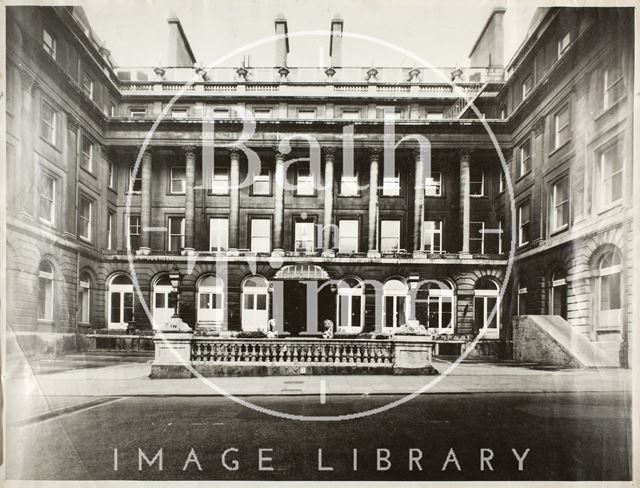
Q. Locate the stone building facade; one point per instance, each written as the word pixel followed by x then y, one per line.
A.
pixel 99 214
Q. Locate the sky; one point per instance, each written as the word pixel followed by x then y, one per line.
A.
pixel 440 31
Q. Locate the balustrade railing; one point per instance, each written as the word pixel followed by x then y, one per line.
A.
pixel 314 351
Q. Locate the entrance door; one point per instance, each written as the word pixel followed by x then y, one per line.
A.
pixel 486 306
pixel 164 302
pixel 255 303
pixel 120 298
pixel 295 309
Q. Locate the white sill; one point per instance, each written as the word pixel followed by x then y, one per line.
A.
pixel 46 222
pixel 558 230
pixel 46 321
pixel 610 206
pixel 85 239
pixel 523 245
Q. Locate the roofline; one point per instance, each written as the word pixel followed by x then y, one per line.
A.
pixel 497 10
pixel 530 38
pixel 176 20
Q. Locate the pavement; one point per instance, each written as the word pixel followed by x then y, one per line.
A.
pixel 35 396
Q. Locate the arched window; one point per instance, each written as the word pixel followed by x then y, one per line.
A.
pixel 210 299
pixel 255 303
pixel 440 307
pixel 396 304
pixel 609 290
pixel 45 291
pixel 120 302
pixel 84 298
pixel 558 294
pixel 486 305
pixel 350 304
pixel 164 301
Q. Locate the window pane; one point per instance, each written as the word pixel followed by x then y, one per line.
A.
pixel 348 236
pixel 219 234
pixel 390 235
pixel 304 236
pixel 261 303
pixel 160 300
pixel 248 301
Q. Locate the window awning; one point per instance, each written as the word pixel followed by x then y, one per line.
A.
pixel 301 272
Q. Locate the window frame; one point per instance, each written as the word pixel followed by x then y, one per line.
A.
pixel 555 205
pixel 90 89
pixel 306 178
pixel 51 50
pixel 437 229
pixel 603 150
pixel 52 201
pixel 521 242
pixel 439 185
pixel 86 160
pixel 563 48
pixel 482 224
pixel 137 226
pixel 556 130
pixel 527 86
pixel 88 221
pixel 53 125
pixel 341 248
pixel 522 169
pixel 110 233
pixel 223 170
pixel 313 239
pixel 172 179
pixel 262 178
pixel 170 235
pixel 138 177
pixel 252 220
pixel 398 237
pixel 111 175
pixel 482 183
pixel 218 233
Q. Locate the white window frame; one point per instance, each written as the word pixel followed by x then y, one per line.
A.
pixel 351 114
pixel 482 188
pixel 395 294
pixel 171 235
pixel 218 234
pixel 349 186
pixel 436 229
pixel 605 204
pixel 261 238
pixel 51 218
pixel 525 168
pixel 521 291
pixel 301 230
pixel 391 186
pixel 262 113
pixel 111 175
pixel 556 205
pixel 481 238
pixel 434 183
pixel 220 182
pixel 179 113
pixel 390 237
pixel 343 240
pixel 48 304
pixel 344 297
pixel 439 296
pixel 87 158
pixel 84 301
pixel 88 90
pixel 138 177
pixel 110 245
pixel 607 86
pixel 557 130
pixel 50 48
pixel 137 113
pixel 563 44
pixel 526 90
pixel 51 125
pixel 304 182
pixel 183 181
pixel 84 221
pixel 263 179
pixel 137 227
pixel 306 113
pixel 521 242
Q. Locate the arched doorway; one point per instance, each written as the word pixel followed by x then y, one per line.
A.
pixel 255 303
pixel 164 301
pixel 210 300
pixel 396 303
pixel 120 302
pixel 558 294
pixel 486 308
pixel 350 304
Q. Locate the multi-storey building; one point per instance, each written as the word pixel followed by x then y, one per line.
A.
pixel 100 156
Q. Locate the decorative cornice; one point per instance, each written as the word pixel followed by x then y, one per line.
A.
pixel 375 152
pixel 234 152
pixel 329 152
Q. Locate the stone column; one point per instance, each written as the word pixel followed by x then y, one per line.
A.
pixel 465 191
pixel 418 202
pixel 278 217
pixel 234 198
pixel 145 203
pixel 189 199
pixel 374 161
pixel 328 199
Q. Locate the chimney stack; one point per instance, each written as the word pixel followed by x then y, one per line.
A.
pixel 180 53
pixel 282 44
pixel 335 42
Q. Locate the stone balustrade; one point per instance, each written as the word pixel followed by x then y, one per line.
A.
pixel 218 356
